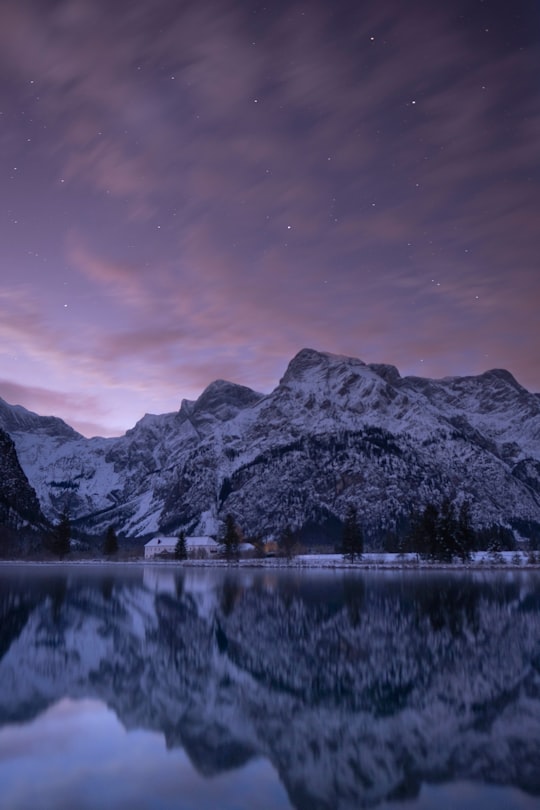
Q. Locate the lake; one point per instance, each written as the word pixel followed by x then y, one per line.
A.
pixel 126 686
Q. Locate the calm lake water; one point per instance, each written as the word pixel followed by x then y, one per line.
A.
pixel 156 687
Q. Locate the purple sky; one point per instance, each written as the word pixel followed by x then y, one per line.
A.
pixel 194 189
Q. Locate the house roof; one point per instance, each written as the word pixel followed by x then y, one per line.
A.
pixel 162 541
pixel 201 540
pixel 172 541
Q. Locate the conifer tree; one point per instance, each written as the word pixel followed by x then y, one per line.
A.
pixel 110 545
pixel 231 539
pixel 61 544
pixel 180 550
pixel 446 532
pixel 425 535
pixel 465 535
pixel 353 539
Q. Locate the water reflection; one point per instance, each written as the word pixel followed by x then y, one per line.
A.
pixel 351 691
pixel 77 755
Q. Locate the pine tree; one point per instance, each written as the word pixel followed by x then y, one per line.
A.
pixel 180 550
pixel 231 539
pixel 61 544
pixel 446 532
pixel 465 535
pixel 425 532
pixel 353 539
pixel 110 545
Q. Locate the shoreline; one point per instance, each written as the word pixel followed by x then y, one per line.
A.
pixel 482 561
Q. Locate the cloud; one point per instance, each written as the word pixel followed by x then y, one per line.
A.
pixel 240 184
pixel 22 324
pixel 123 280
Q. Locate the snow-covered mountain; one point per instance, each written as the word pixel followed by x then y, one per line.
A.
pixel 334 431
pixel 357 690
pixel 19 507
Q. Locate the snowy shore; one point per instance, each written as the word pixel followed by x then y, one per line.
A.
pixel 374 561
pixel 480 560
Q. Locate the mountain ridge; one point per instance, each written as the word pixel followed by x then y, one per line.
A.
pixel 334 431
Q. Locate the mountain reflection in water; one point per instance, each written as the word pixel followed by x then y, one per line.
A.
pixel 355 690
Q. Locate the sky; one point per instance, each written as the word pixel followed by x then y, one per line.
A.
pixel 198 189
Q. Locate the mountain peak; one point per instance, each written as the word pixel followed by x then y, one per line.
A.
pixel 386 372
pixel 15 418
pixel 504 376
pixel 311 359
pixel 222 400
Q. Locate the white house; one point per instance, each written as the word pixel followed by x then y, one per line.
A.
pixel 196 546
pixel 201 546
pixel 159 545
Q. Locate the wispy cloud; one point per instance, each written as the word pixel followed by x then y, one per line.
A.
pixel 239 183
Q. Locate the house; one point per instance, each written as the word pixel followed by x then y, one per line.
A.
pixel 159 545
pixel 196 546
pixel 202 546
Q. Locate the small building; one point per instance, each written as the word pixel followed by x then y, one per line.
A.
pixel 202 546
pixel 159 545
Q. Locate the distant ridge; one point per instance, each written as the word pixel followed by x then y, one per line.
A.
pixel 335 431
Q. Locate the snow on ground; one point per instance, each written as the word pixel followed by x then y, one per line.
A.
pixel 375 560
pixel 369 560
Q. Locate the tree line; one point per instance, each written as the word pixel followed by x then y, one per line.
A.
pixel 439 532
pixel 59 541
pixel 444 532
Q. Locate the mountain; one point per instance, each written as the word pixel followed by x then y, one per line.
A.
pixel 20 512
pixel 334 431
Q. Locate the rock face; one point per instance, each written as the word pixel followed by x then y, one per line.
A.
pixel 335 431
pixel 19 506
pixel 356 689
